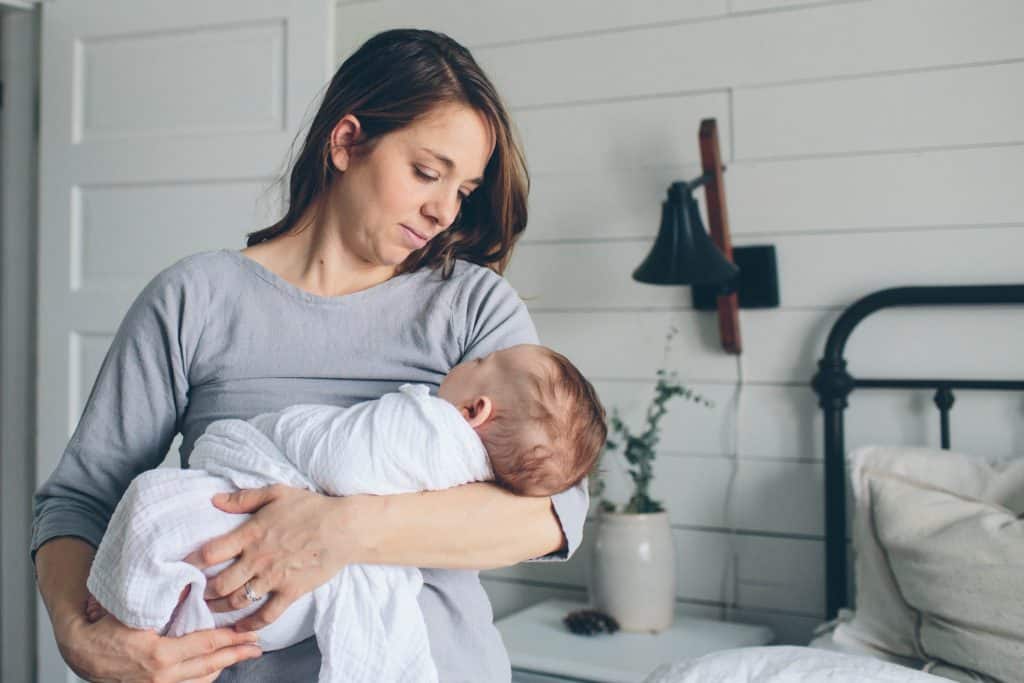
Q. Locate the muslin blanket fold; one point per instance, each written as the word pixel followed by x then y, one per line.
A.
pixel 366 619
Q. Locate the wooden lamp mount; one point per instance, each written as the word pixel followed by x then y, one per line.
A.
pixel 718 224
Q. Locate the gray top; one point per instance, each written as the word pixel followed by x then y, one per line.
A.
pixel 218 336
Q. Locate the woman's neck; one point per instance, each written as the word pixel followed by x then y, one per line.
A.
pixel 316 259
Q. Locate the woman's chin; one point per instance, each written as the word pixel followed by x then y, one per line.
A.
pixel 387 257
pixel 391 255
pixel 402 254
pixel 397 259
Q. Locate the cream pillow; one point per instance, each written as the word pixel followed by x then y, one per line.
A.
pixel 882 619
pixel 959 562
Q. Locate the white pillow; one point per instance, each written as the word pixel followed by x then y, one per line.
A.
pixel 825 640
pixel 960 563
pixel 882 619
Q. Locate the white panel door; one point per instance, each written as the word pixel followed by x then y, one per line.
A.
pixel 163 125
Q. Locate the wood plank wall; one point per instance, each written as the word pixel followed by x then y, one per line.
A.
pixel 874 142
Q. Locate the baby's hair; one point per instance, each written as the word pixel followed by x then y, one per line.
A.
pixel 552 438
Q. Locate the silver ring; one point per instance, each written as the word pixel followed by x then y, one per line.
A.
pixel 250 594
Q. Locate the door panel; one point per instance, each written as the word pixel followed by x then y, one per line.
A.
pixel 163 126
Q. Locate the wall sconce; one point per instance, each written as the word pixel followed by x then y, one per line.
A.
pixel 723 278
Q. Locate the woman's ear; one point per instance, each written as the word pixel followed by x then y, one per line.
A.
pixel 478 411
pixel 345 134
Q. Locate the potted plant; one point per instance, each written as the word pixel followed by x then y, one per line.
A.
pixel 632 573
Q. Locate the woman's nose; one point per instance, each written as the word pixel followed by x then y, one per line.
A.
pixel 443 209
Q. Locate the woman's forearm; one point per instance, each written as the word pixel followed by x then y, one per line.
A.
pixel 62 567
pixel 475 526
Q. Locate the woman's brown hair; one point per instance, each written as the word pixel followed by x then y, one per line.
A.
pixel 392 80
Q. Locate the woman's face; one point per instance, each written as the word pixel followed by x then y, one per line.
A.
pixel 396 194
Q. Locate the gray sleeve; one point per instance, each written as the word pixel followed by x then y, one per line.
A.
pixel 489 316
pixel 497 318
pixel 131 416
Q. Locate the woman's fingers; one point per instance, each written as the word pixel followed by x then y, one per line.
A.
pixel 246 500
pixel 203 654
pixel 206 667
pixel 268 614
pixel 220 549
pixel 238 599
pixel 111 651
pixel 230 545
pixel 224 548
pixel 230 582
pixel 202 643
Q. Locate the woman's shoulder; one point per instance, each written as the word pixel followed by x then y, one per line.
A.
pixel 189 285
pixel 475 272
pixel 488 313
pixel 207 263
pixel 201 269
pixel 469 279
pixel 461 270
pixel 465 283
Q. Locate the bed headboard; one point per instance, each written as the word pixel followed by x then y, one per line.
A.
pixel 833 383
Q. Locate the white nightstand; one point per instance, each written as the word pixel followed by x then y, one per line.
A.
pixel 542 649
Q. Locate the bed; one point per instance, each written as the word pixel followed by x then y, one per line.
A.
pixel 938 538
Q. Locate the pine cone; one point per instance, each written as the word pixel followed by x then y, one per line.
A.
pixel 588 622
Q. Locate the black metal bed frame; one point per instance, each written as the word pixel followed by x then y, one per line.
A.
pixel 833 385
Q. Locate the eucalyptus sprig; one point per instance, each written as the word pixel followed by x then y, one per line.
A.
pixel 639 449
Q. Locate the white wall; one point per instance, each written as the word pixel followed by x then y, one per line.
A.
pixel 873 142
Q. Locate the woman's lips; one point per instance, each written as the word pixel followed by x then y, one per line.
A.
pixel 414 239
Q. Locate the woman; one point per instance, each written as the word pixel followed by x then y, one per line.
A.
pixel 409 193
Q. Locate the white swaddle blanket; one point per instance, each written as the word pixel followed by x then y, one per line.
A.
pixel 366 619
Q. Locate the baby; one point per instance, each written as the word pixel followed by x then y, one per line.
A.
pixel 538 417
pixel 523 417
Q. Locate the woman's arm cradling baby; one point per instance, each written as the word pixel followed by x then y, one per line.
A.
pixel 474 526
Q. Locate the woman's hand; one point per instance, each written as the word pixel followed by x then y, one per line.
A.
pixel 294 543
pixel 107 650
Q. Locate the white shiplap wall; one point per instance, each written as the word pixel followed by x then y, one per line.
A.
pixel 873 142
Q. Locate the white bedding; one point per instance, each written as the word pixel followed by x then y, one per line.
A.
pixel 786 665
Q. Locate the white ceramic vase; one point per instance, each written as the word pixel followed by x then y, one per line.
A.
pixel 633 570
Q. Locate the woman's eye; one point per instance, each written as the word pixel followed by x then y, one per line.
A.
pixel 427 175
pixel 424 174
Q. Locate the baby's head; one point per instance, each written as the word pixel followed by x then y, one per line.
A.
pixel 537 415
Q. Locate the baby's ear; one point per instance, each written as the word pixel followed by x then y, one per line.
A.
pixel 478 411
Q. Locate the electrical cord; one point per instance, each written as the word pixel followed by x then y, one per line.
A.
pixel 730 579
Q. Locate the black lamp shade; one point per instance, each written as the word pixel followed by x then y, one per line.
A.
pixel 683 253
